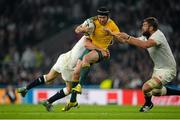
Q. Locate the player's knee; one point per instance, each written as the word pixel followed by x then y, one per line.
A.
pixel 67 90
pixel 156 92
pixel 157 83
pixel 159 92
pixel 146 88
pixel 49 78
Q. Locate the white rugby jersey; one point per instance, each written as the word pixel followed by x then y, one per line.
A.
pixel 70 58
pixel 161 54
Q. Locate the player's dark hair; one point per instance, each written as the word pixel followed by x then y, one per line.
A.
pixel 152 21
pixel 103 11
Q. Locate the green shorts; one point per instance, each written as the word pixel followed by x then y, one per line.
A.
pixel 101 58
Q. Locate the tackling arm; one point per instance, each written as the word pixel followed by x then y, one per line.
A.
pixel 135 41
pixel 139 43
pixel 114 34
pixel 89 45
pixel 125 38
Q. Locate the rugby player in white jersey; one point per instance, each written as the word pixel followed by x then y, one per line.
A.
pixel 164 63
pixel 64 66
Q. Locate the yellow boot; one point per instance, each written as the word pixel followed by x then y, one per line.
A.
pixel 77 89
pixel 70 105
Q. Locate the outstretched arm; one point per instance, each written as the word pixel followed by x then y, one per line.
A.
pixel 136 41
pixel 114 34
pixel 89 45
pixel 125 38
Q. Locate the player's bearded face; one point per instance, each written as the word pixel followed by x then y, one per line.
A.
pixel 102 19
pixel 145 30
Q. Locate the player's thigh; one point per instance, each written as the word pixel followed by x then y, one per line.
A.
pixel 91 57
pixel 51 75
pixel 76 72
pixel 164 75
pixel 67 74
pixel 78 66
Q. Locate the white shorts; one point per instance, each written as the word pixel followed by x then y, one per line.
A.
pixel 61 67
pixel 164 75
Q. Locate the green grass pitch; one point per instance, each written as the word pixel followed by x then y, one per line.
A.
pixel 88 112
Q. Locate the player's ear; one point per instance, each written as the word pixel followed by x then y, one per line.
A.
pixel 151 28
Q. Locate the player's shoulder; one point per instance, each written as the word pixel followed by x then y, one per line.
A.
pixel 111 22
pixel 158 36
pixel 158 33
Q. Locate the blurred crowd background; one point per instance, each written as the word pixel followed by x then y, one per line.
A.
pixel 26 24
